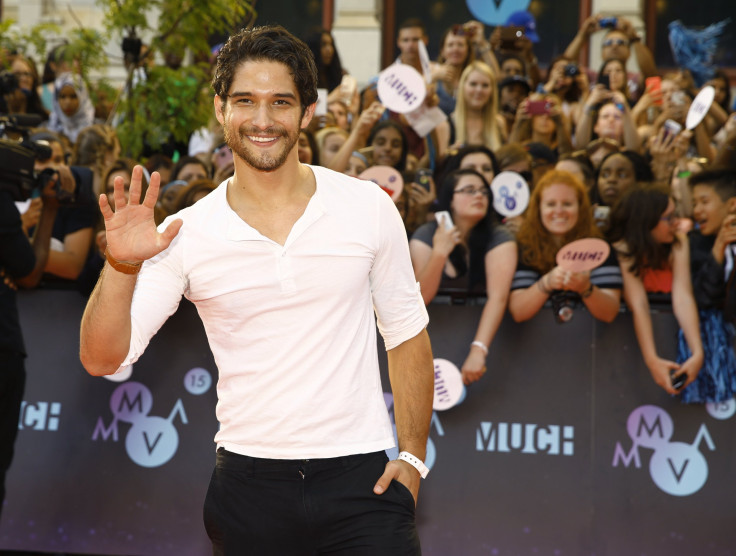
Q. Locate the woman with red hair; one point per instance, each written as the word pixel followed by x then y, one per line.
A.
pixel 559 212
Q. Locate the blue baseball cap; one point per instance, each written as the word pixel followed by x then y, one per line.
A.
pixel 526 20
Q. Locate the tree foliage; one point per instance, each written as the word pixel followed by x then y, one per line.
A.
pixel 170 103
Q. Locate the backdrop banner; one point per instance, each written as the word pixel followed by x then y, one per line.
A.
pixel 565 447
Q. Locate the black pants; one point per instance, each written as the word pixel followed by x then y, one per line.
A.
pixel 12 384
pixel 307 507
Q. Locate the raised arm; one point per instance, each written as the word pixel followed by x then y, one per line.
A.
pixel 644 56
pixel 42 236
pixel 357 138
pixel 429 261
pixel 131 238
pixel 590 25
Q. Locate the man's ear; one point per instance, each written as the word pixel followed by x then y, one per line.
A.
pixel 218 110
pixel 731 205
pixel 308 114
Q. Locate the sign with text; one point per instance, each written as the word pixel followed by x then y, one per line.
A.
pixel 401 88
pixel 700 106
pixel 449 389
pixel 583 254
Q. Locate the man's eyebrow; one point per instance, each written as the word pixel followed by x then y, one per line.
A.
pixel 239 94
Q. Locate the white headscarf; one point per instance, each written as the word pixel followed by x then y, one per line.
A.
pixel 85 115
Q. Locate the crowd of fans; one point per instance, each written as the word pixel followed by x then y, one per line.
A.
pixel 606 154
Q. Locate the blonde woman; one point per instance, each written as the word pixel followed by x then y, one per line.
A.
pixel 476 120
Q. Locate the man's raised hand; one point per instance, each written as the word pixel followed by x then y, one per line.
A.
pixel 131 231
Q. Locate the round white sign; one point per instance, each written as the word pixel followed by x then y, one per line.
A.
pixel 510 194
pixel 700 106
pixel 449 389
pixel 401 88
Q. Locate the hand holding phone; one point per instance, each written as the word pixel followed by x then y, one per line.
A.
pixel 423 176
pixel 653 86
pixel 538 107
pixel 678 381
pixel 444 219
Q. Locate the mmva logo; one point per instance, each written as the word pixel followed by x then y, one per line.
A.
pixel 39 416
pixel 525 438
pixel 151 441
pixel 677 468
pixel 393 453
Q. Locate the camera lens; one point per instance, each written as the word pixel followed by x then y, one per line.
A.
pixel 565 313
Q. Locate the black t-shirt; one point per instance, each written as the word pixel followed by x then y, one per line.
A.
pixel 17 260
pixel 500 234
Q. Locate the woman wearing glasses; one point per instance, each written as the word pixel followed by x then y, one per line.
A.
pixel 471 254
pixel 655 258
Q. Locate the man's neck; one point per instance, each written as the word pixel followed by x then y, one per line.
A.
pixel 270 190
pixel 412 61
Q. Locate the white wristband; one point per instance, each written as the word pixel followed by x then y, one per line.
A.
pixel 415 462
pixel 481 345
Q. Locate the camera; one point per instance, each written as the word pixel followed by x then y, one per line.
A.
pixel 8 82
pixel 571 70
pixel 562 307
pixel 17 173
pixel 608 22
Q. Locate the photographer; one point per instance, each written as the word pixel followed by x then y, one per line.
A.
pixel 621 38
pixel 74 224
pixel 21 264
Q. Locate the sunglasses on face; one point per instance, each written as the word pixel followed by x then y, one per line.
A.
pixel 615 42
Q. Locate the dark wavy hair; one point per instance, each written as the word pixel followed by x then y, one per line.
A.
pixel 401 164
pixel 633 218
pixel 455 157
pixel 479 235
pixel 268 43
pixel 726 104
pixel 330 76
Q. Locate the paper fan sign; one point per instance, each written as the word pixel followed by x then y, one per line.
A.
pixel 583 254
pixel 449 389
pixel 401 88
pixel 387 178
pixel 510 194
pixel 699 107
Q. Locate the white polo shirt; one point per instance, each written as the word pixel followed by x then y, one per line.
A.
pixel 292 327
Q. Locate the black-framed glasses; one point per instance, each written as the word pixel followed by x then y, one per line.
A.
pixel 470 191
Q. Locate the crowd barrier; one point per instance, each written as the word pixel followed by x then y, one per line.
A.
pixel 565 447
